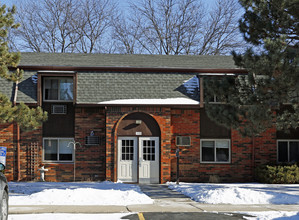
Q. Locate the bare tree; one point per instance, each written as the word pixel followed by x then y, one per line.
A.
pixel 220 33
pixel 63 25
pixel 93 22
pixel 179 27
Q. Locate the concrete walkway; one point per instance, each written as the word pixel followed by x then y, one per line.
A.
pixel 165 200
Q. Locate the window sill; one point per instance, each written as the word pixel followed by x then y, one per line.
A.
pixel 58 100
pixel 58 162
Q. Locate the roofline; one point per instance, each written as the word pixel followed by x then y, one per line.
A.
pixel 128 69
pixel 194 106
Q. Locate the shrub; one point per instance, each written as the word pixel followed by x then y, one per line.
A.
pixel 286 174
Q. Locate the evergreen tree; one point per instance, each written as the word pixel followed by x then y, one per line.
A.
pixel 27 118
pixel 268 95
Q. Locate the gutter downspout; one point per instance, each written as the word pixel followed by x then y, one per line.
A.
pixel 18 133
pixel 201 91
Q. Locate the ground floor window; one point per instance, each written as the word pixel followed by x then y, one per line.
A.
pixel 58 149
pixel 288 151
pixel 215 151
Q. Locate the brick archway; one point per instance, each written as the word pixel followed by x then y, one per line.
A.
pixel 162 118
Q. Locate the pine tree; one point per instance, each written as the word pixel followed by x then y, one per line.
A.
pixel 27 118
pixel 269 94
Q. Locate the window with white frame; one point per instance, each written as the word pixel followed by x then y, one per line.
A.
pixel 288 151
pixel 58 149
pixel 215 151
pixel 58 89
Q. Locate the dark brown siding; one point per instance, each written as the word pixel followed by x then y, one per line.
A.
pixel 148 126
pixel 209 129
pixel 59 125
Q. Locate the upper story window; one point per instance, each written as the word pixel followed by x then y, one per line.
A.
pixel 58 89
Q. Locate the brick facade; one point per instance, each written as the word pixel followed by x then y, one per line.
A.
pixel 99 162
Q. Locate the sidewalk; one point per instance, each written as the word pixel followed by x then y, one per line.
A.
pixel 149 208
pixel 165 200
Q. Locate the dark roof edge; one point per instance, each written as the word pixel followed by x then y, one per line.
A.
pixel 129 69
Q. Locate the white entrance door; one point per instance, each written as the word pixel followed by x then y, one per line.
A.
pixel 148 160
pixel 138 159
pixel 127 159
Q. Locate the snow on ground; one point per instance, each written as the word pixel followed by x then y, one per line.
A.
pixel 239 193
pixel 79 193
pixel 271 215
pixel 63 216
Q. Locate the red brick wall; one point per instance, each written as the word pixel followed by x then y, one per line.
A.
pixel 90 159
pixel 99 162
pixel 185 122
pixel 241 168
pixel 7 140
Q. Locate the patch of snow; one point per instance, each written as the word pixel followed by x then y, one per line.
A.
pixel 63 216
pixel 169 101
pixel 268 215
pixel 91 193
pixel 239 193
pixel 192 85
pixel 34 78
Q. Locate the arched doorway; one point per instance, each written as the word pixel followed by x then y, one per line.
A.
pixel 138 149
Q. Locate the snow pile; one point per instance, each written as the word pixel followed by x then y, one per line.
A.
pixel 63 216
pixel 271 215
pixel 104 193
pixel 235 193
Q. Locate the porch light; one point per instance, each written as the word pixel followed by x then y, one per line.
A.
pixel 138 122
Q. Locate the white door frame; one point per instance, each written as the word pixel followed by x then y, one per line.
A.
pixel 145 166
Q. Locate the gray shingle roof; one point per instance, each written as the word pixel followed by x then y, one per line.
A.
pixel 126 60
pixel 95 87
pixel 98 87
pixel 27 89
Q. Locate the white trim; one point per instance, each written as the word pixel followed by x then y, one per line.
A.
pixel 216 162
pixel 56 161
pixel 288 142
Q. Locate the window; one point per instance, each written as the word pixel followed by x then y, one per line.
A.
pixel 183 141
pixel 216 151
pixel 127 150
pixel 288 151
pixel 58 89
pixel 149 150
pixel 58 149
